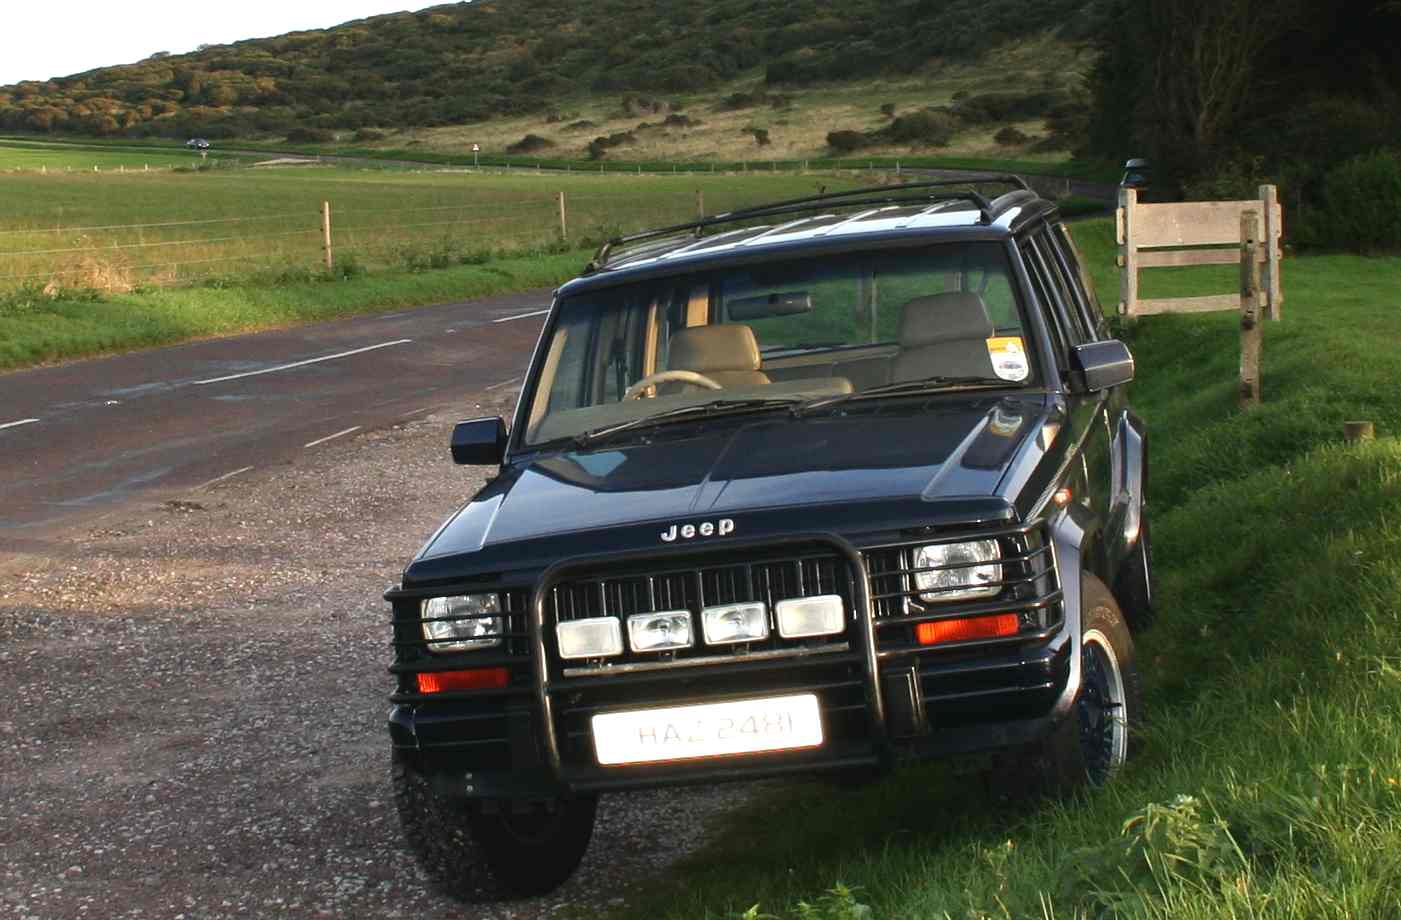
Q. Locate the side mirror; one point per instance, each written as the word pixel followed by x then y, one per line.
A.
pixel 479 442
pixel 1101 365
pixel 1135 174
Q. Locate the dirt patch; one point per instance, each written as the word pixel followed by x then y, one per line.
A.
pixel 196 697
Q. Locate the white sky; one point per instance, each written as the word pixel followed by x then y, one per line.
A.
pixel 39 41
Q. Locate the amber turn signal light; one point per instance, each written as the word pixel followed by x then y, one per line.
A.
pixel 473 679
pixel 989 627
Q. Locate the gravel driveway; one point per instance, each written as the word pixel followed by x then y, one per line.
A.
pixel 196 695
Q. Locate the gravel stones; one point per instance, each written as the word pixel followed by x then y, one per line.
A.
pixel 195 704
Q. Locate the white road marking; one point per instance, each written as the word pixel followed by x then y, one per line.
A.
pixel 416 412
pixel 504 383
pixel 23 421
pixel 218 479
pixel 283 367
pixel 507 319
pixel 332 437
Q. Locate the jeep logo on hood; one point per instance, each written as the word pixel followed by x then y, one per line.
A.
pixel 719 528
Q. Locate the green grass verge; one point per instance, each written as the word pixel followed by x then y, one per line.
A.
pixel 66 157
pixel 34 329
pixel 1269 781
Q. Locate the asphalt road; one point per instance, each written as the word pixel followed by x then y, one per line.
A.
pixel 81 440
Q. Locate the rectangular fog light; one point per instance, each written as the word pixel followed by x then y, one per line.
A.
pixel 597 637
pixel 727 623
pixel 658 632
pixel 801 617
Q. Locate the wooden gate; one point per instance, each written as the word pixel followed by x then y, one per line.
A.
pixel 1194 233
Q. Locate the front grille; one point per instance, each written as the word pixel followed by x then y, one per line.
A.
pixel 659 585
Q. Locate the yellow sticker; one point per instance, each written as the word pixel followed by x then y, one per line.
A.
pixel 1008 356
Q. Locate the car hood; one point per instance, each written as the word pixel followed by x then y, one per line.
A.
pixel 877 465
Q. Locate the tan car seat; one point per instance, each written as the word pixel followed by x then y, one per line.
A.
pixel 944 335
pixel 727 353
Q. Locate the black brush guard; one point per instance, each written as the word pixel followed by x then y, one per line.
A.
pixel 880 693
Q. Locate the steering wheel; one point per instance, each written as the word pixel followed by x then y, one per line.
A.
pixel 700 380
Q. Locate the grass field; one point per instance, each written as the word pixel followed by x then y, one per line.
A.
pixel 84 258
pixel 59 157
pixel 1269 779
pixel 114 231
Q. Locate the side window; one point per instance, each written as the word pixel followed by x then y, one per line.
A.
pixel 1055 322
pixel 1079 276
pixel 1071 313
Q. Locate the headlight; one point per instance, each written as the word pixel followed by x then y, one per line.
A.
pixel 801 617
pixel 963 571
pixel 596 637
pixel 659 632
pixel 460 624
pixel 727 623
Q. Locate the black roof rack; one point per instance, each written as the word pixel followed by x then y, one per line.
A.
pixel 895 194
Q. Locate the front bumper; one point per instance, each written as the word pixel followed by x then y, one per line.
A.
pixel 881 697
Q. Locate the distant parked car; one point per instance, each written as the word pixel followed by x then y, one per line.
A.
pixel 197 143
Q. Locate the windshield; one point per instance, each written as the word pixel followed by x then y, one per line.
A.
pixel 801 330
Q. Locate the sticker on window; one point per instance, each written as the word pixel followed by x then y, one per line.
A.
pixel 1008 357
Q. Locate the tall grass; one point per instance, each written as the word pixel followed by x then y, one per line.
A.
pixel 1269 783
pixel 114 231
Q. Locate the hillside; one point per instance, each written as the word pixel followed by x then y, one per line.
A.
pixel 474 62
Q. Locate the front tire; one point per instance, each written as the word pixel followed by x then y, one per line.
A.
pixel 480 851
pixel 1091 744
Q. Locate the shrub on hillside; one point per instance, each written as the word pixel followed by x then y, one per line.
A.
pixel 888 109
pixel 1011 136
pixel 368 135
pixel 582 124
pixel 1361 208
pixel 760 135
pixel 678 120
pixel 310 136
pixel 985 108
pixel 847 141
pixel 741 100
pixel 929 128
pixel 531 143
pixel 599 146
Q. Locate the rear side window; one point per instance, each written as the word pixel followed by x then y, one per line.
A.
pixel 1080 275
pixel 1055 322
pixel 1062 289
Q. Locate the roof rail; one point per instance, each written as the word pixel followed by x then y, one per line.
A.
pixel 894 194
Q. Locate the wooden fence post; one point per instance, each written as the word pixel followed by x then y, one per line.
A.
pixel 1274 292
pixel 563 224
pixel 1128 251
pixel 700 202
pixel 326 233
pixel 1251 325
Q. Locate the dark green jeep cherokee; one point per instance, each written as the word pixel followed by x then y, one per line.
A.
pixel 809 488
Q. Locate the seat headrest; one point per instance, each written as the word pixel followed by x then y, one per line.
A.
pixel 951 316
pixel 725 347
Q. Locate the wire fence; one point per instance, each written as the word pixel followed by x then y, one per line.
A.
pixel 347 237
pixel 110 256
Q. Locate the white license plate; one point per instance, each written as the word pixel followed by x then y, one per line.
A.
pixel 779 723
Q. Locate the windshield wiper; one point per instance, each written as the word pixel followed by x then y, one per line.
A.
pixel 922 385
pixel 716 407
